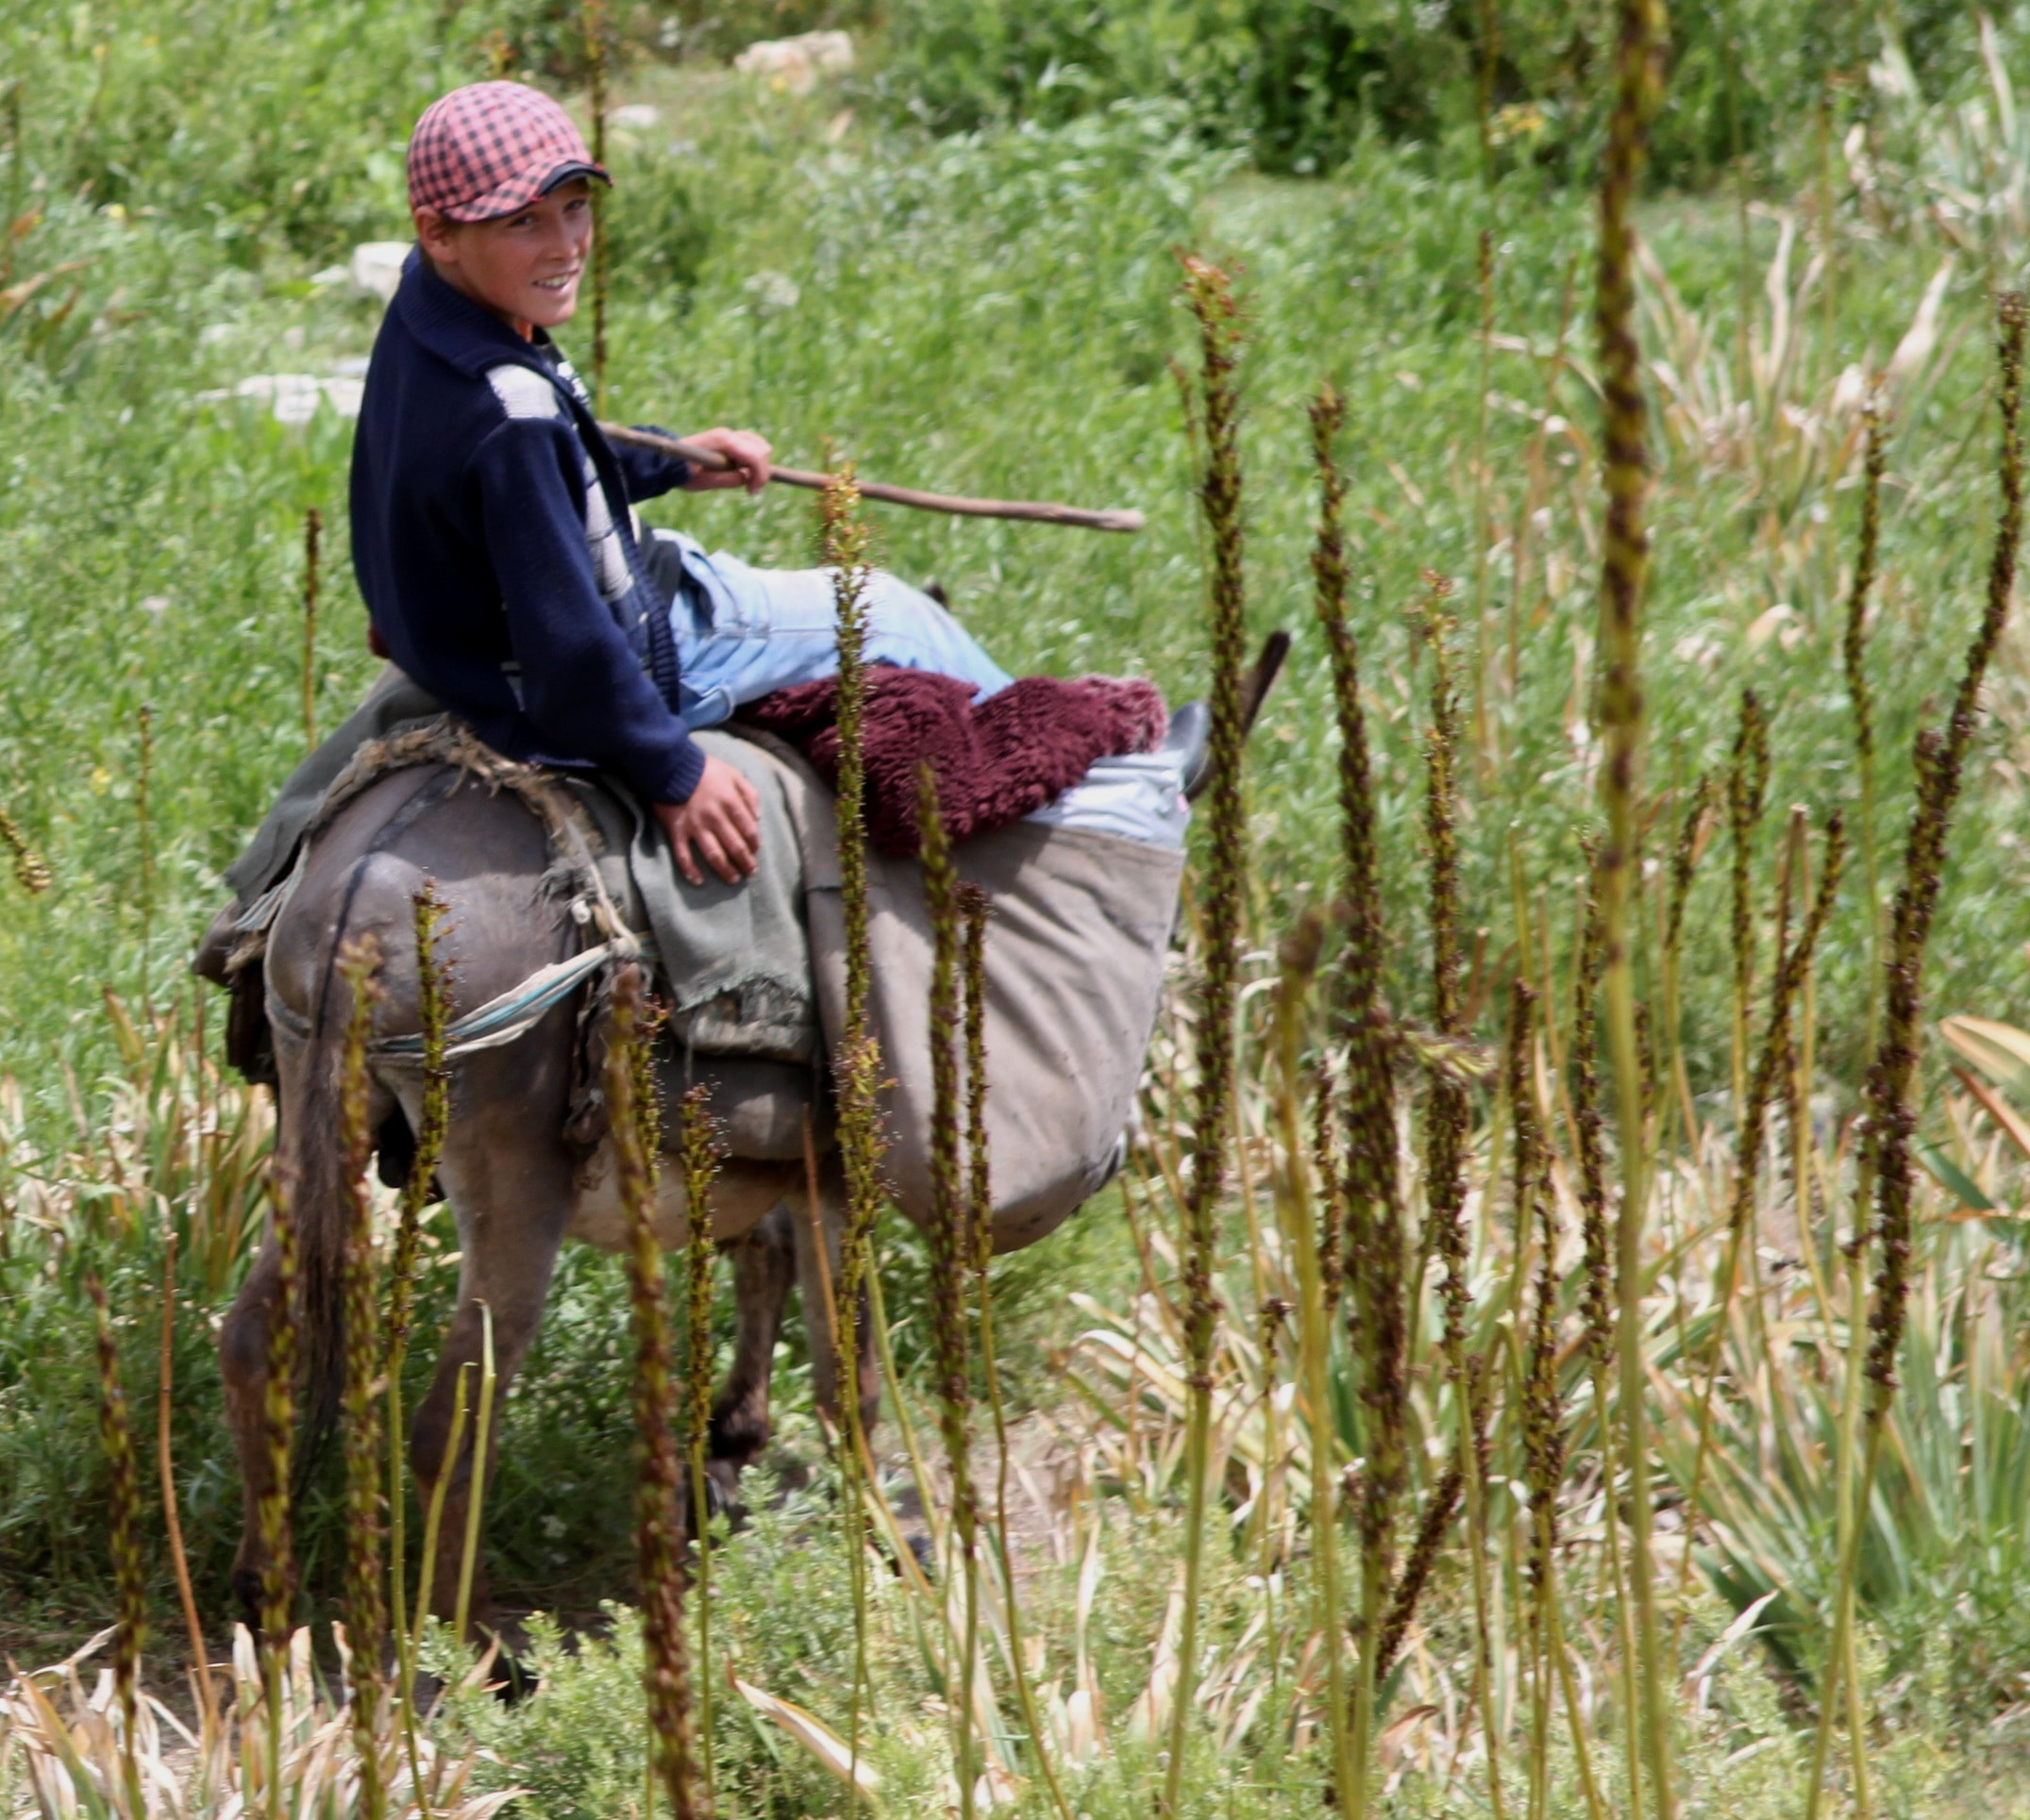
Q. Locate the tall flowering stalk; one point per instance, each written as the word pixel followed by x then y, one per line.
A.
pixel 592 22
pixel 844 541
pixel 117 1435
pixel 973 907
pixel 1793 964
pixel 1639 44
pixel 313 525
pixel 656 1527
pixel 1377 1322
pixel 954 1247
pixel 278 1431
pixel 1860 696
pixel 1747 783
pixel 1684 865
pixel 427 913
pixel 366 1608
pixel 1446 1120
pixel 1940 761
pixel 1543 1415
pixel 1209 293
pixel 701 1145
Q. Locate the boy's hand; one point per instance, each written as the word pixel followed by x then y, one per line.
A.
pixel 747 452
pixel 723 818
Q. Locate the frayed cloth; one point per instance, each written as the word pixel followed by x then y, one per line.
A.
pixel 996 760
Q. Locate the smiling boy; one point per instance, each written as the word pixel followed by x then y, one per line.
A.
pixel 493 535
pixel 491 527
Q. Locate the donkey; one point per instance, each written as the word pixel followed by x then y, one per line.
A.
pixel 517 1185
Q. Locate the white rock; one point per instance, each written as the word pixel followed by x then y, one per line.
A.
pixel 376 266
pixel 636 115
pixel 294 397
pixel 793 65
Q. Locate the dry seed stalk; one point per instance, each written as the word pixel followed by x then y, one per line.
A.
pixel 1308 1233
pixel 1446 1110
pixel 279 1427
pixel 1939 764
pixel 31 870
pixel 665 1670
pixel 1860 696
pixel 1683 865
pixel 954 1244
pixel 1209 293
pixel 1793 962
pixel 165 1459
pixel 1748 781
pixel 313 525
pixel 593 22
pixel 1332 1190
pixel 1598 1297
pixel 1447 1115
pixel 359 967
pixel 701 1154
pixel 843 547
pixel 1625 573
pixel 980 1202
pixel 124 1486
pixel 145 834
pixel 428 912
pixel 1440 1508
pixel 1375 1312
pixel 278 1416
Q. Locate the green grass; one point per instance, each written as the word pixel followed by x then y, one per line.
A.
pixel 992 313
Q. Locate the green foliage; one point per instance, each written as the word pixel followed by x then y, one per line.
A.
pixel 1300 83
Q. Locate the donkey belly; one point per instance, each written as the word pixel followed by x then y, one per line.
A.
pixel 742 1193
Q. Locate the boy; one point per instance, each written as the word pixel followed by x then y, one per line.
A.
pixel 492 532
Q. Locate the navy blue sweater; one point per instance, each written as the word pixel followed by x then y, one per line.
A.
pixel 492 542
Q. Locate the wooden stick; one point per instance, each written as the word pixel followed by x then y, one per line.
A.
pixel 1033 511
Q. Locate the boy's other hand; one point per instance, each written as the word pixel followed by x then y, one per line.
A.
pixel 747 452
pixel 722 819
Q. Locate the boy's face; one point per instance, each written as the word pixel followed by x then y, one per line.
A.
pixel 524 267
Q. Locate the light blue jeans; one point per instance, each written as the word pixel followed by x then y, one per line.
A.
pixel 757 630
pixel 744 632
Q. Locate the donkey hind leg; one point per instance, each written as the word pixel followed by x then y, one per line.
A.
pixel 818 1233
pixel 244 1366
pixel 243 1335
pixel 511 1180
pixel 764 1266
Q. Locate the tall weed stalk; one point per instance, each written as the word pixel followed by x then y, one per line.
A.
pixel 359 967
pixel 1375 1308
pixel 1447 1115
pixel 428 912
pixel 1317 1240
pixel 657 1543
pixel 843 543
pixel 1209 293
pixel 700 1145
pixel 1638 49
pixel 116 1436
pixel 277 1430
pixel 954 1250
pixel 1939 762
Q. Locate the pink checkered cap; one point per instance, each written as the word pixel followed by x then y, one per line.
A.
pixel 492 148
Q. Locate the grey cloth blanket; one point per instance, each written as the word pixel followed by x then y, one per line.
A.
pixel 735 959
